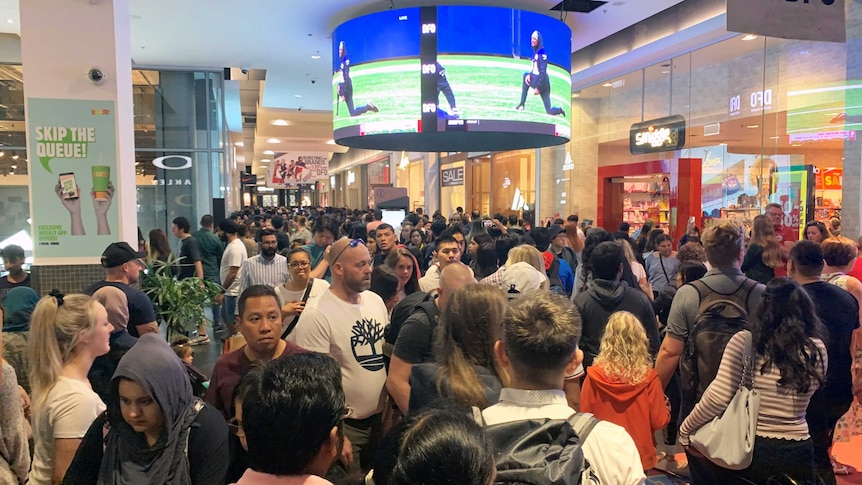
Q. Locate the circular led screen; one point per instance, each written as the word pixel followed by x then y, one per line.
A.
pixel 452 78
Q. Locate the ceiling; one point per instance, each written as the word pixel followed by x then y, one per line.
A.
pixel 277 38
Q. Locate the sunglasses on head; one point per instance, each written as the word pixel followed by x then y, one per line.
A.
pixel 352 244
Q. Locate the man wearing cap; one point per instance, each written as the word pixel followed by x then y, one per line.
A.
pixel 559 247
pixel 122 268
pixel 347 322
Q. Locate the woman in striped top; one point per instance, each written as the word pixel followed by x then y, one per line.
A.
pixel 789 364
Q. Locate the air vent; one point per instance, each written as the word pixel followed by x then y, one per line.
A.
pixel 249 119
pixel 581 6
pixel 711 129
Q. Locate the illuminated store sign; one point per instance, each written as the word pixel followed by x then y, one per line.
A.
pixel 659 135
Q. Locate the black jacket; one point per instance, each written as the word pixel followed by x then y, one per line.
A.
pixel 605 297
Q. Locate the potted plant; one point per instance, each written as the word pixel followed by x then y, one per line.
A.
pixel 179 303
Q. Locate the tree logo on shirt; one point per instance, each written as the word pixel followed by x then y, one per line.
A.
pixel 366 334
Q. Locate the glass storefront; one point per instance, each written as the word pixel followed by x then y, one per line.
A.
pixel 180 160
pixel 767 121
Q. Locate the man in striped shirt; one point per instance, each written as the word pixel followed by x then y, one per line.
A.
pixel 267 268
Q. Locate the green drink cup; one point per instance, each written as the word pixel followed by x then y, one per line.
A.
pixel 101 178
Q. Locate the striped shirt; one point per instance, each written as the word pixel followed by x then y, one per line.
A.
pixel 782 410
pixel 259 271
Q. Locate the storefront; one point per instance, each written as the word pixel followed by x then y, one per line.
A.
pixel 766 120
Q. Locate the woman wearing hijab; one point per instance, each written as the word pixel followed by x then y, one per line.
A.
pixel 18 305
pixel 154 430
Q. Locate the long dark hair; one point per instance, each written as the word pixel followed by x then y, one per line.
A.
pixel 786 323
pixel 594 238
pixel 159 244
pixel 485 263
pixel 412 285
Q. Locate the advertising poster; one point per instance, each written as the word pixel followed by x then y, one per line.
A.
pixel 290 169
pixel 73 166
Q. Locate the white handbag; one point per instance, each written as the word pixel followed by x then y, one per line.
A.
pixel 728 440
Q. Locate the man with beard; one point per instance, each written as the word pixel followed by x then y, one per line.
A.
pixel 538 78
pixel 267 268
pixel 347 322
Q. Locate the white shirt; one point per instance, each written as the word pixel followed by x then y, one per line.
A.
pixel 68 411
pixel 431 281
pixel 318 287
pixel 353 336
pixel 609 448
pixel 234 255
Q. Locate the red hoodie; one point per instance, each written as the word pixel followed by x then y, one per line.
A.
pixel 639 408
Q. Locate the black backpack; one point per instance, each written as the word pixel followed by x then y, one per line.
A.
pixel 719 317
pixel 413 302
pixel 542 451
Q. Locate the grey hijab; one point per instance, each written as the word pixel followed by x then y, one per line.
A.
pixel 128 459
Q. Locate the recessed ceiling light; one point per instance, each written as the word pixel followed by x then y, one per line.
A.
pixel 239 144
pixel 665 72
pixel 297 95
pixel 268 152
pixel 749 37
pixel 265 160
pixel 15 157
pixel 279 122
pixel 774 137
pixel 330 142
pixel 752 126
pixel 607 85
pixel 723 144
pixel 273 140
pixel 14 167
pixel 10 21
pixel 315 56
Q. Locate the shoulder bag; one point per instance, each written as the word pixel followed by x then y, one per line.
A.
pixel 728 440
pixel 296 318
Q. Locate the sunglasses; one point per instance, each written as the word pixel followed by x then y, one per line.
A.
pixel 352 244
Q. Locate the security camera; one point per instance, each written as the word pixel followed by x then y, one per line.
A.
pixel 313 81
pixel 244 70
pixel 300 108
pixel 96 75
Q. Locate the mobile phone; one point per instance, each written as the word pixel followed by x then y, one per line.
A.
pixel 69 186
pixel 691 220
pixel 488 223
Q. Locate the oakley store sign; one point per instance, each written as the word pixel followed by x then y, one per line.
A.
pixel 172 164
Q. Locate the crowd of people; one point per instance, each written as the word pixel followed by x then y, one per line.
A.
pixel 445 350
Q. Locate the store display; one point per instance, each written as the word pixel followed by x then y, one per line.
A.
pixel 646 199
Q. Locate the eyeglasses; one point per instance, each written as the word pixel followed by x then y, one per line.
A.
pixel 352 244
pixel 235 427
pixel 299 264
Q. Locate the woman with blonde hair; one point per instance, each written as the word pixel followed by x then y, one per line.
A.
pixel 623 388
pixel 764 253
pixel 526 254
pixel 465 372
pixel 67 333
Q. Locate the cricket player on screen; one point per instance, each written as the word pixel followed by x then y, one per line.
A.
pixel 538 79
pixel 443 87
pixel 345 87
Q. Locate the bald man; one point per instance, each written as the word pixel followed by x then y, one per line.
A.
pixel 415 342
pixel 347 322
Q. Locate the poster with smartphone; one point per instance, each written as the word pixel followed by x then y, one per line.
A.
pixel 72 151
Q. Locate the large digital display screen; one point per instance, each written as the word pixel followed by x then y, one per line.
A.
pixel 452 78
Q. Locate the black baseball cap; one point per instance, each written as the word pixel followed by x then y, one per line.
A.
pixel 119 253
pixel 554 230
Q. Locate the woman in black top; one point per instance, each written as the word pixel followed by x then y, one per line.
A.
pixel 154 430
pixel 764 253
pixel 465 370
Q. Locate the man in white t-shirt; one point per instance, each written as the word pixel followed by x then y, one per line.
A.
pixel 447 251
pixel 231 261
pixel 347 322
pixel 538 351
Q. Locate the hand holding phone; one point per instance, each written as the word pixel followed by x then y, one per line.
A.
pixel 69 186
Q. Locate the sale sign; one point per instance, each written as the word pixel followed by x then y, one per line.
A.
pixel 828 178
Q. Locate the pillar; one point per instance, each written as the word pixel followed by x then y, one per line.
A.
pixel 432 182
pixel 90 120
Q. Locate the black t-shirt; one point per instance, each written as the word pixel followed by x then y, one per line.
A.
pixel 141 310
pixel 839 312
pixel 6 285
pixel 207 452
pixel 415 342
pixel 190 251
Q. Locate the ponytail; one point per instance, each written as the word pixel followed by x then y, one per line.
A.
pixel 55 328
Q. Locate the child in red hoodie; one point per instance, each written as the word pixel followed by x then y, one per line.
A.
pixel 622 387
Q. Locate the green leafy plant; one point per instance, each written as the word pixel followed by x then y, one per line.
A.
pixel 179 303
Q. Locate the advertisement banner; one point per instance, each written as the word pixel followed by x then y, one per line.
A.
pixel 821 20
pixel 452 177
pixel 289 169
pixel 73 165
